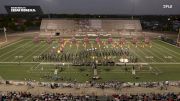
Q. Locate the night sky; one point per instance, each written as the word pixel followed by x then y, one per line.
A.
pixel 124 7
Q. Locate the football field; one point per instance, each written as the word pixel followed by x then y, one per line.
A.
pixel 159 61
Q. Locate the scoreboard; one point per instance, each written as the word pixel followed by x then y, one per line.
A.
pixel 116 7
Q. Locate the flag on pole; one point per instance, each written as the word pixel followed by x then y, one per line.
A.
pixel 110 40
pixel 5 29
pixel 5 33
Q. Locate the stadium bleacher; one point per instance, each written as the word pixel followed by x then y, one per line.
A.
pixel 64 26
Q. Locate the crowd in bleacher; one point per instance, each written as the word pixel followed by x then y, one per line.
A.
pixel 117 85
pixel 148 97
pixel 25 96
pixel 103 85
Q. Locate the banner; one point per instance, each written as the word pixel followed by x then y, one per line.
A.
pixel 24 9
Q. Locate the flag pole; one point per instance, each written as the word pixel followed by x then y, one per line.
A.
pixel 5 34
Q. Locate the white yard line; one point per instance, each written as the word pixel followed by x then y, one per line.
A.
pixel 15 53
pixel 24 53
pixel 40 54
pixel 12 43
pixel 46 49
pixel 14 49
pixel 137 54
pixel 147 55
pixel 166 48
pixel 34 67
pixel 166 53
pixel 169 44
pixel 34 51
pixel 156 55
pixel 143 53
pixel 169 49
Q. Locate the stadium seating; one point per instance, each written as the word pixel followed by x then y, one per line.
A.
pixel 104 26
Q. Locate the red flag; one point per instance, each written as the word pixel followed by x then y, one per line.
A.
pixel 98 40
pixel 110 40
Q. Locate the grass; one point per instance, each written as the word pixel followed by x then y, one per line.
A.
pixel 163 68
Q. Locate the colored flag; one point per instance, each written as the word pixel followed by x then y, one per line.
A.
pixel 5 29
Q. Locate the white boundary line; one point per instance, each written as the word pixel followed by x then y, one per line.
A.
pixel 45 72
pixel 46 63
pixel 169 44
pixel 166 48
pixel 170 49
pixel 18 62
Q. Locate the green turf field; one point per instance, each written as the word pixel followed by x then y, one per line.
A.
pixel 163 59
